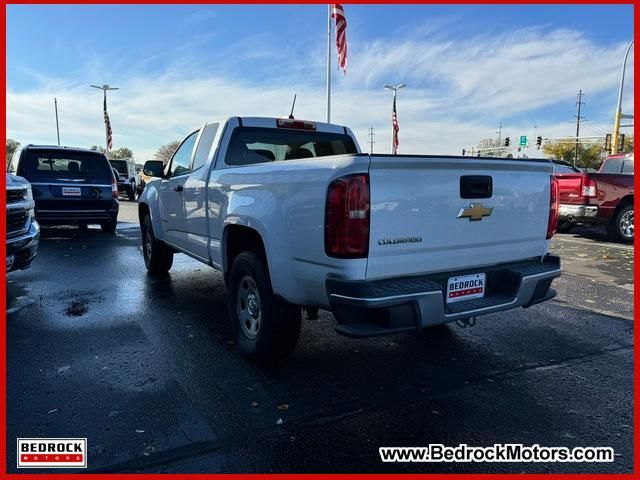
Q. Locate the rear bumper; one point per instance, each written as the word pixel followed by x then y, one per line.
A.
pixel 24 248
pixel 66 216
pixel 577 213
pixel 409 304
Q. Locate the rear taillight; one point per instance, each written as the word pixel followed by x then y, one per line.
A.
pixel 589 188
pixel 114 188
pixel 553 209
pixel 346 223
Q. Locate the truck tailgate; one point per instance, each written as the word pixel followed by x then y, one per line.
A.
pixel 415 207
pixel 570 188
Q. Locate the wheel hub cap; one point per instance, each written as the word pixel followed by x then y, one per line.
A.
pixel 248 307
pixel 626 224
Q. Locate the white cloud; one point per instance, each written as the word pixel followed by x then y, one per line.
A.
pixel 458 92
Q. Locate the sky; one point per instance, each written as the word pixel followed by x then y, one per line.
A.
pixel 468 69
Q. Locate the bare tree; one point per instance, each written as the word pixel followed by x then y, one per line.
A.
pixel 165 152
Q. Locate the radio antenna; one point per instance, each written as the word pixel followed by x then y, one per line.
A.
pixel 293 106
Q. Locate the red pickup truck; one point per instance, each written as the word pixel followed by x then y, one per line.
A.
pixel 602 198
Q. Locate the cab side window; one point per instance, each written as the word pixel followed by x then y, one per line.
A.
pixel 181 160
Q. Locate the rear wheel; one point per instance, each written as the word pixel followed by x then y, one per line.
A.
pixel 621 227
pixel 158 257
pixel 267 327
pixel 109 226
pixel 131 192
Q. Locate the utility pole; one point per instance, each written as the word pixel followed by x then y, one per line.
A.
pixel 55 104
pixel 499 132
pixel 372 137
pixel 329 63
pixel 579 103
pixel 618 114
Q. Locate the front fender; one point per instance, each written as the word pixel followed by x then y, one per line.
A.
pixel 150 199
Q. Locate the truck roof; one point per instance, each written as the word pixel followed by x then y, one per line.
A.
pixel 271 122
pixel 61 148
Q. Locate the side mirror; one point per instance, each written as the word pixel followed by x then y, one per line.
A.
pixel 153 168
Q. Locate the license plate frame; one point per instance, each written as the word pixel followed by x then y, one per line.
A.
pixel 458 290
pixel 71 192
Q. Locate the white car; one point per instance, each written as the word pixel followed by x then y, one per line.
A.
pixel 295 215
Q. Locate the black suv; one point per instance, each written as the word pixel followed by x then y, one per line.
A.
pixel 70 185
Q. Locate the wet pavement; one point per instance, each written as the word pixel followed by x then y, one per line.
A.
pixel 146 369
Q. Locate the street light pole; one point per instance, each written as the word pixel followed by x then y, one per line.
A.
pixel 104 89
pixel 395 89
pixel 618 115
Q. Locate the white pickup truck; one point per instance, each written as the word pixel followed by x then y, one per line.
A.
pixel 295 215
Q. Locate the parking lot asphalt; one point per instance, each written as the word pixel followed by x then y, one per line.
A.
pixel 146 369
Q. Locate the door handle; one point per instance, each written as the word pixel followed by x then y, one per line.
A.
pixel 178 188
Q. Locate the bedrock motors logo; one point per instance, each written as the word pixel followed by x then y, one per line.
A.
pixel 52 453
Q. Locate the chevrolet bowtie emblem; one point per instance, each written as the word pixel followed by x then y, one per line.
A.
pixel 475 212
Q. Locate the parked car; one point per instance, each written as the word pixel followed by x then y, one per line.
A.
pixel 295 215
pixel 70 185
pixel 23 231
pixel 129 181
pixel 575 188
pixel 602 198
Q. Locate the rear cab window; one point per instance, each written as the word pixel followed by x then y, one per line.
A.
pixel 562 168
pixel 251 145
pixel 120 166
pixel 40 163
pixel 612 165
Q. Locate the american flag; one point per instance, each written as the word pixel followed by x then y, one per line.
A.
pixel 107 125
pixel 337 12
pixel 396 128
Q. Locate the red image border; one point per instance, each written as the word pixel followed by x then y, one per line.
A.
pixel 3 334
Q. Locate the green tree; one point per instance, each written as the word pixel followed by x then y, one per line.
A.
pixel 12 146
pixel 589 156
pixel 121 153
pixel 165 152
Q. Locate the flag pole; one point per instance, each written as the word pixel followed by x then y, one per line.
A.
pixel 106 127
pixel 328 63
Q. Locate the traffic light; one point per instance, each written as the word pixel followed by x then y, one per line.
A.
pixel 507 141
pixel 539 142
pixel 607 142
pixel 621 143
pixel 463 151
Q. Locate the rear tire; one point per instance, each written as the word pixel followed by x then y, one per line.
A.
pixel 109 226
pixel 565 227
pixel 267 327
pixel 131 193
pixel 158 257
pixel 620 229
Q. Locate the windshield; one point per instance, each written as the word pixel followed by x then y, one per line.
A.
pixel 119 165
pixel 69 164
pixel 257 145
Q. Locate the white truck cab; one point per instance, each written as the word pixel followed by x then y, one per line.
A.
pixel 295 215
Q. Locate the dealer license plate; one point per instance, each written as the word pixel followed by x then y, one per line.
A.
pixel 465 287
pixel 71 191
